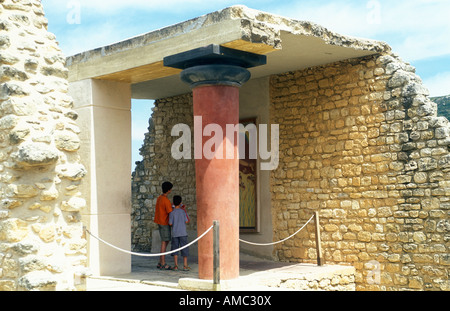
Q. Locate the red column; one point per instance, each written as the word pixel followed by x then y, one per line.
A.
pixel 218 183
pixel 215 74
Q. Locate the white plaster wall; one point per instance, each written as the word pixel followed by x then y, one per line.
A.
pixel 104 109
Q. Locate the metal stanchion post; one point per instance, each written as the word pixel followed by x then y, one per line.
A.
pixel 320 260
pixel 216 258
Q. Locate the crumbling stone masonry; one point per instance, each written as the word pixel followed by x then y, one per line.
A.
pixel 362 143
pixel 158 166
pixel 41 235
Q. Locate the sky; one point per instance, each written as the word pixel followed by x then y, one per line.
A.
pixel 417 30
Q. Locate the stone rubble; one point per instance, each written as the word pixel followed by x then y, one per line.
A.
pixel 41 234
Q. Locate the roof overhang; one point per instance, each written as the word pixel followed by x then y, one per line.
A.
pixel 289 45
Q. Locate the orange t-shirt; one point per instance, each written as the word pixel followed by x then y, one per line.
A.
pixel 162 210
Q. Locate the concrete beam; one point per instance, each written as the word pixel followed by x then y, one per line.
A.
pixel 289 44
pixel 140 59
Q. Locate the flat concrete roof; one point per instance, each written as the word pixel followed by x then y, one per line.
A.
pixel 289 45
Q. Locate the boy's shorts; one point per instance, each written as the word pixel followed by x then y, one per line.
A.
pixel 179 242
pixel 164 233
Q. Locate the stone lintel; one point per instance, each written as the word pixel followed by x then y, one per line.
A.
pixel 139 60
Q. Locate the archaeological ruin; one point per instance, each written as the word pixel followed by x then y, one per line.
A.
pixel 359 141
pixel 42 246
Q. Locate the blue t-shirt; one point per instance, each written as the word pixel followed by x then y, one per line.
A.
pixel 177 219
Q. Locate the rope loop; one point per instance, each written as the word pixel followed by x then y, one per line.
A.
pixel 284 240
pixel 195 241
pixel 151 255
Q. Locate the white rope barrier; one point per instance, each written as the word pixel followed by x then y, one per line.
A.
pixel 195 241
pixel 150 255
pixel 284 240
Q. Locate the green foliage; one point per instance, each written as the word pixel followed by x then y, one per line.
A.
pixel 443 105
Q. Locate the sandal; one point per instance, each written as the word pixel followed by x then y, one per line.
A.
pixel 164 267
pixel 174 268
pixel 186 268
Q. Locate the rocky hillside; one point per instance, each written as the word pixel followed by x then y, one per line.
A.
pixel 443 105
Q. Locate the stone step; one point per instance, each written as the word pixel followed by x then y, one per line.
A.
pixel 255 275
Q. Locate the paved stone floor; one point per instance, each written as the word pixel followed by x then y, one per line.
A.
pixel 255 274
pixel 145 276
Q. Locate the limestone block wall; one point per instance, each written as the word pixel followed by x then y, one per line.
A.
pixel 159 166
pixel 41 235
pixel 361 142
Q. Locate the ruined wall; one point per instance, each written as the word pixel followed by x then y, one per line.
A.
pixel 159 166
pixel 41 236
pixel 360 142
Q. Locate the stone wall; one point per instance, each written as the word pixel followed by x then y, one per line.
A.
pixel 338 279
pixel 158 166
pixel 361 143
pixel 41 236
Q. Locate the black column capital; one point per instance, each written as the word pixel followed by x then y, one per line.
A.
pixel 215 65
pixel 215 75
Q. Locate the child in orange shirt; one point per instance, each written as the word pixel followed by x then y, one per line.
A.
pixel 162 210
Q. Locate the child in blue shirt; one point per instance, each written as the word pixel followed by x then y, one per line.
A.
pixel 178 219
